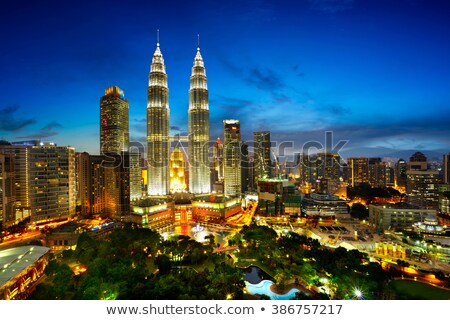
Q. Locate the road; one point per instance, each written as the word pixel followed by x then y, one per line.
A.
pixel 23 239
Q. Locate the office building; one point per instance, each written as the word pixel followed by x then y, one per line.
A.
pixel 446 168
pixel 422 183
pixel 104 184
pixel 114 135
pixel 400 173
pixel 232 157
pixel 7 190
pixel 261 155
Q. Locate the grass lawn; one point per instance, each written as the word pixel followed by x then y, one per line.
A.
pixel 414 290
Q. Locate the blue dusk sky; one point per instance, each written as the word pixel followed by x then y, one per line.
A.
pixel 374 72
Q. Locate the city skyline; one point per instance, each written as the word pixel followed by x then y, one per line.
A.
pixel 374 73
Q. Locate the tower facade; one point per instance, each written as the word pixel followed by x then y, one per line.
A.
pixel 232 157
pixel 446 166
pixel 7 190
pixel 158 128
pixel 198 128
pixel 262 163
pixel 114 134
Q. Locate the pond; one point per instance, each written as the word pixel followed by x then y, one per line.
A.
pixel 255 275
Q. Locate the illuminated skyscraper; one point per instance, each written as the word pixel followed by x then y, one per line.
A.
pixel 217 161
pixel 198 126
pixel 158 128
pixel 232 157
pixel 114 135
pixel 262 163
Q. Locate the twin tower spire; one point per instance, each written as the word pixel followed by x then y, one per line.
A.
pixel 158 127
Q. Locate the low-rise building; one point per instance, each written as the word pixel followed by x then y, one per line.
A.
pixel 397 215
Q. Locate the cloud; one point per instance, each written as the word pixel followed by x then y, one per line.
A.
pixel 337 110
pixel 265 79
pixel 297 71
pixel 9 122
pixel 332 6
pixel 51 125
pixel 45 132
pixel 175 128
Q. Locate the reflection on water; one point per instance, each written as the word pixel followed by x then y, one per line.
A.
pixel 196 232
pixel 264 288
pixel 255 275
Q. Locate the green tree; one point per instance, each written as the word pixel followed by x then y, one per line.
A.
pixel 359 211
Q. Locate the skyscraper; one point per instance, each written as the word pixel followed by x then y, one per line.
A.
pixel 261 146
pixel 359 170
pixel 158 128
pixel 217 161
pixel 422 183
pixel 446 166
pixel 114 135
pixel 232 157
pixel 400 173
pixel 198 127
pixel 7 190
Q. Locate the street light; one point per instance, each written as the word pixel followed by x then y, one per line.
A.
pixel 358 293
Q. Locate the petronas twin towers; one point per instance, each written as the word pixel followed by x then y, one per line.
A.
pixel 158 128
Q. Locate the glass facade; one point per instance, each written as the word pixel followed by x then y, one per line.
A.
pixel 232 157
pixel 114 135
pixel 158 128
pixel 198 126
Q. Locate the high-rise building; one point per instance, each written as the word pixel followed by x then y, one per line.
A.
pixel 247 179
pixel 232 157
pixel 400 173
pixel 377 172
pixel 422 184
pixel 417 162
pixel 328 172
pixel 21 153
pixel 359 170
pixel 158 128
pixel 104 184
pixel 7 190
pixel 45 183
pixel 446 167
pixel 177 177
pixel 261 155
pixel 217 167
pixel 198 129
pixel 217 161
pixel 52 186
pixel 114 134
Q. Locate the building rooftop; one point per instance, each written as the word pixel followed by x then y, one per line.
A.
pixel 399 205
pixel 13 261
